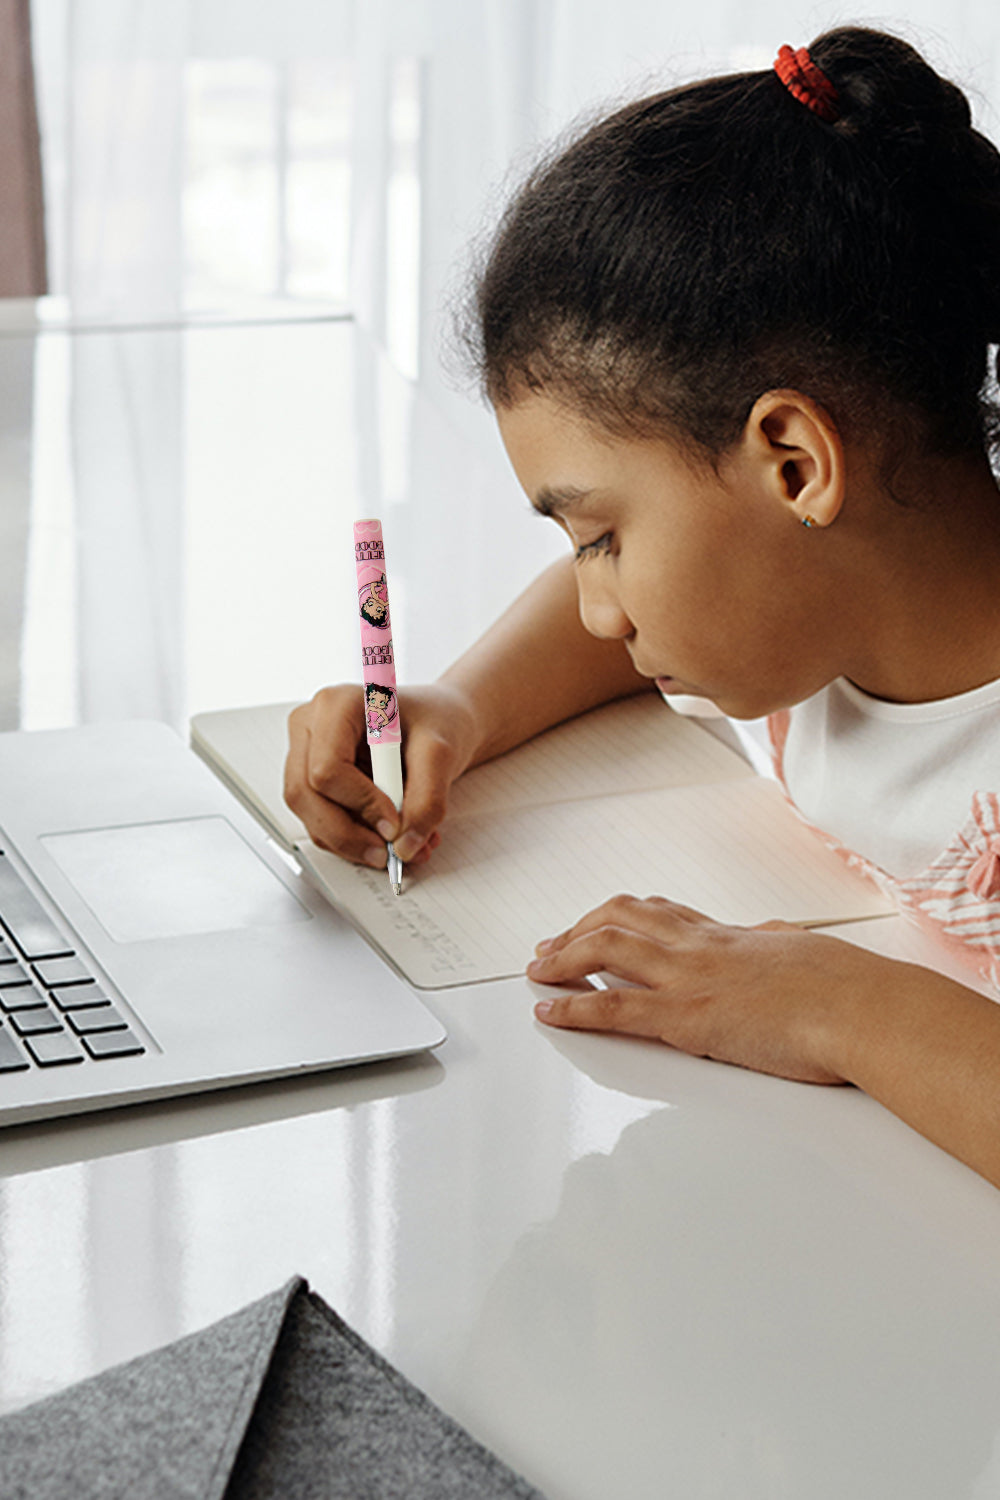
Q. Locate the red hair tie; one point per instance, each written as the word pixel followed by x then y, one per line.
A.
pixel 807 83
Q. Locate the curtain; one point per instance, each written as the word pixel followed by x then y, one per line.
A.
pixel 375 141
pixel 22 274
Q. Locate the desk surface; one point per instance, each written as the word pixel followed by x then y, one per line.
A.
pixel 630 1272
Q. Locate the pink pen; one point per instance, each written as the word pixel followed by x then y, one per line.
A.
pixel 379 673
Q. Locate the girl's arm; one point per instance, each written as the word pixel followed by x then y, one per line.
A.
pixel 799 1004
pixel 929 1050
pixel 537 666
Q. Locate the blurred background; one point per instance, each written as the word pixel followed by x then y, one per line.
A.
pixel 231 234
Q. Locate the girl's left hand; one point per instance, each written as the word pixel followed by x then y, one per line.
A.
pixel 776 997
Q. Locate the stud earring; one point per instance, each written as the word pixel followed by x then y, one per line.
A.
pixel 808 521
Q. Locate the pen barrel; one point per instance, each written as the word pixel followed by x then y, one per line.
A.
pixel 378 663
pixel 387 771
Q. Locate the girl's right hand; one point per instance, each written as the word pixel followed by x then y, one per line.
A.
pixel 328 782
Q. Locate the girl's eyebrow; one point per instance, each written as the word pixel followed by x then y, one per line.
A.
pixel 553 500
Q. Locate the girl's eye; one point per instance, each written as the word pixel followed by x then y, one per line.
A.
pixel 594 549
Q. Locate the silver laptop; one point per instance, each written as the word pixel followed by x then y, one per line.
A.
pixel 153 941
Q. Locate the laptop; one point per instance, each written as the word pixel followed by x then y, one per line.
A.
pixel 155 942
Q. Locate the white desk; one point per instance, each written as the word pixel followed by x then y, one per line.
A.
pixel 632 1273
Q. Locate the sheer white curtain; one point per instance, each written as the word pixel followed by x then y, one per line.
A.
pixel 206 155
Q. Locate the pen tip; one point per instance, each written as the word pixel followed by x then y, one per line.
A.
pixel 396 887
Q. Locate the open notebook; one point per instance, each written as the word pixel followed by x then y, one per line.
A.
pixel 631 797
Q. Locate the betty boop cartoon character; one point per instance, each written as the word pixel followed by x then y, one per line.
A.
pixel 380 708
pixel 374 601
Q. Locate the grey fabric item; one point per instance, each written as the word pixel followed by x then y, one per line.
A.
pixel 280 1399
pixel 166 1426
pixel 335 1421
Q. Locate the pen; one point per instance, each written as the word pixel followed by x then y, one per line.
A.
pixel 378 670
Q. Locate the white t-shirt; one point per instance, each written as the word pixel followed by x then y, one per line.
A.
pixel 909 793
pixel 892 781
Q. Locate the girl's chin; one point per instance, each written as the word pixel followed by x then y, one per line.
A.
pixel 685 702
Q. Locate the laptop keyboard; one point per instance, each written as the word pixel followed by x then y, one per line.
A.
pixel 53 1012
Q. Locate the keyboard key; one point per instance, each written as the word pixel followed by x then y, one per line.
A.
pixel 53 971
pixel 113 1044
pixel 85 1022
pixel 32 1022
pixel 7 954
pixel 12 975
pixel 78 997
pixel 12 1001
pixel 12 1059
pixel 52 1049
pixel 25 918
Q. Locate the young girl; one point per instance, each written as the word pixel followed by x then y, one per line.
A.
pixel 737 340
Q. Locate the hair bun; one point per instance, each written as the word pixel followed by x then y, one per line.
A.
pixel 886 89
pixel 916 128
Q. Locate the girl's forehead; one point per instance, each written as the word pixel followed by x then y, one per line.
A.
pixel 556 455
pixel 565 462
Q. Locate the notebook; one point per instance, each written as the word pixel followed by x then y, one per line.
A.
pixel 153 941
pixel 631 797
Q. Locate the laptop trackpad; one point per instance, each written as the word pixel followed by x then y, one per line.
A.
pixel 156 880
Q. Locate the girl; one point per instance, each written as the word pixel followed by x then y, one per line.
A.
pixel 737 340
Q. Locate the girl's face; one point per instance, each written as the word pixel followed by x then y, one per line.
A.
pixel 707 578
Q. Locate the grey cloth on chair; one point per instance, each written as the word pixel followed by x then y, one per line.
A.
pixel 281 1399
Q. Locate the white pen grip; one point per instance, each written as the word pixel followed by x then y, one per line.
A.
pixel 387 771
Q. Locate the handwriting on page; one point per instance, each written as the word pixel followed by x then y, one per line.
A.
pixel 404 925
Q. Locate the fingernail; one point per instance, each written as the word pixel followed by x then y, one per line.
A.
pixel 543 1009
pixel 386 829
pixel 545 945
pixel 408 846
pixel 535 967
pixel 376 857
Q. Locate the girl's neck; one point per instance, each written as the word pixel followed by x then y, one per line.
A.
pixel 932 626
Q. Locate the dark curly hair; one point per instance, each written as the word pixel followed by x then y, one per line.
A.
pixel 702 246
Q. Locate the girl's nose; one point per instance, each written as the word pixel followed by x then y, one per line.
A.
pixel 600 610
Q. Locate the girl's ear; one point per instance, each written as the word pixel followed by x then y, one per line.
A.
pixel 800 455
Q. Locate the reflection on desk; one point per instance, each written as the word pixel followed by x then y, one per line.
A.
pixel 627 1271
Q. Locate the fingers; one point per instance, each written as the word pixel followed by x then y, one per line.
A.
pixel 629 955
pixel 633 1012
pixel 341 807
pixel 654 917
pixel 430 771
pixel 639 941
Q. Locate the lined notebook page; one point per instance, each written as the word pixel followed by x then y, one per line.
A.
pixel 628 746
pixel 503 880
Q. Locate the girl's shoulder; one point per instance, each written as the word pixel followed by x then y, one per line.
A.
pixel 910 794
pixel 892 780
